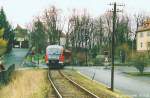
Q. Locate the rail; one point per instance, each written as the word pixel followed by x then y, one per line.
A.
pixel 79 86
pixel 82 89
pixel 53 85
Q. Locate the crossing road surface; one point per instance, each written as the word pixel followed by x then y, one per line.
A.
pixel 132 86
pixel 15 57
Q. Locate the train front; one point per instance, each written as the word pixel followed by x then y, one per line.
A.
pixel 55 56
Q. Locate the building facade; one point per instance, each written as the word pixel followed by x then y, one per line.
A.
pixel 21 37
pixel 143 37
pixel 62 39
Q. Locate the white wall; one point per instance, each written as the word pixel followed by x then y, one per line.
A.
pixel 62 41
pixel 144 40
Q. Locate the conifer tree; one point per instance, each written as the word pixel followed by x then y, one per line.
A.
pixel 8 32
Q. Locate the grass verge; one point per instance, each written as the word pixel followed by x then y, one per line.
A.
pixel 27 84
pixel 97 88
pixel 147 74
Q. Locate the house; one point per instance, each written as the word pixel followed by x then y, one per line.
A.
pixel 62 39
pixel 21 37
pixel 143 37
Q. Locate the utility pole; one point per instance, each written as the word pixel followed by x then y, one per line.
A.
pixel 113 43
pixel 86 44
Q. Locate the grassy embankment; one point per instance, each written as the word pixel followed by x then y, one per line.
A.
pixel 147 74
pixel 27 84
pixel 97 88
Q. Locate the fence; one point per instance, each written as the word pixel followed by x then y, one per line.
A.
pixel 5 75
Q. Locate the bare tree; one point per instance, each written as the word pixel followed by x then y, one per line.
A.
pixel 98 34
pixel 51 21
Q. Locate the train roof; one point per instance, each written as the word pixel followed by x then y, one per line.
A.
pixel 54 46
pixel 66 50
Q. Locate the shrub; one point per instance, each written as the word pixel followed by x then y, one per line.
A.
pixel 139 63
pixel 80 58
pixel 99 60
pixel 122 52
pixel 3 46
pixel 3 43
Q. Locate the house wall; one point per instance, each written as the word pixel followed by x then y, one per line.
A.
pixel 62 41
pixel 142 41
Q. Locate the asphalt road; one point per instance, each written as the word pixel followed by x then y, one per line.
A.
pixel 137 87
pixel 15 57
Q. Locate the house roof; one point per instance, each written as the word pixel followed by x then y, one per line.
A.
pixel 143 29
pixel 63 34
pixel 18 27
pixel 145 26
pixel 20 32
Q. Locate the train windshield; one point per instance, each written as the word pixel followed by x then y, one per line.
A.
pixel 54 51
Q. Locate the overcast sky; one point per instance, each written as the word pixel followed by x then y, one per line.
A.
pixel 23 11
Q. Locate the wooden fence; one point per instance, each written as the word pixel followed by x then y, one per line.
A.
pixel 5 75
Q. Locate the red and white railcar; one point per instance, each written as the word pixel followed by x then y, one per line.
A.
pixel 55 56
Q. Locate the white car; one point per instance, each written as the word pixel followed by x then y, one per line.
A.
pixel 16 46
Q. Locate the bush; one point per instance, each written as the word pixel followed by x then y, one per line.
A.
pixel 99 60
pixel 139 63
pixel 78 58
pixel 123 52
pixel 3 46
pixel 3 43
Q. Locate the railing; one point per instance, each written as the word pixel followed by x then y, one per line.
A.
pixel 5 74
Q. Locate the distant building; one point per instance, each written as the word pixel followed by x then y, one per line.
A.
pixel 143 37
pixel 62 39
pixel 21 37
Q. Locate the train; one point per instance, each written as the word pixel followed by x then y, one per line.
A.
pixel 57 56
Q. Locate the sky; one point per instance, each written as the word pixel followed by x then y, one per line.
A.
pixel 22 12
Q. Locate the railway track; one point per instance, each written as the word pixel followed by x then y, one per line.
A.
pixel 64 87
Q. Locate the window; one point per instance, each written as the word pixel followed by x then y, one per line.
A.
pixel 148 44
pixel 141 34
pixel 141 44
pixel 148 33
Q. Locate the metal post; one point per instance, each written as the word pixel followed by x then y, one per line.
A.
pixel 86 55
pixel 59 32
pixel 113 47
pixel 38 59
pixel 132 47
